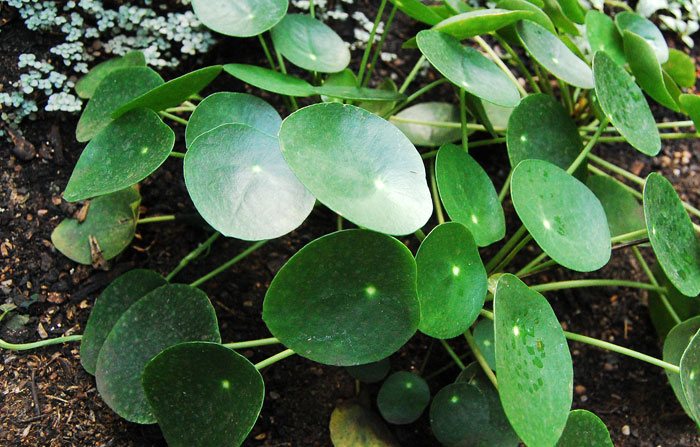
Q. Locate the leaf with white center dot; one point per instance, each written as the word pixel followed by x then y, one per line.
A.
pixel 109 306
pixel 358 165
pixel 127 151
pixel 535 373
pixel 232 108
pixel 451 281
pixel 173 92
pixel 168 315
pixel 203 394
pixel 87 85
pixel 584 429
pixel 310 44
pixel 484 338
pixel 345 310
pixel 106 231
pixel 672 235
pixel 403 397
pixel 431 112
pixel 353 425
pixel 468 195
pixel 647 70
pixel 547 49
pixel 563 216
pixel 415 9
pixel 680 67
pixel 691 105
pixel 690 376
pixel 624 104
pixel 117 88
pixel 675 345
pixel 480 21
pixel 457 415
pixel 240 18
pixel 370 372
pixel 603 36
pixel 539 128
pixel 239 182
pixel 467 68
pixel 645 28
pixel 623 211
pixel 270 80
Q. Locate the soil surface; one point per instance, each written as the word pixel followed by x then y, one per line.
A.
pixel 47 399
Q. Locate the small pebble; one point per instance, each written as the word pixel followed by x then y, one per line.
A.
pixel 626 430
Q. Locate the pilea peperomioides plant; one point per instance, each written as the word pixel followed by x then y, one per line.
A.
pixel 354 297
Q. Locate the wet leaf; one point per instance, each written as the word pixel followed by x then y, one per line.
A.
pixel 425 135
pixel 203 394
pixel 622 209
pixel 681 68
pixel 353 425
pixel 403 397
pixel 114 300
pixel 87 85
pixel 345 310
pixel 672 235
pixel 240 18
pixel 270 80
pixel 563 216
pixel 480 21
pixel 457 414
pixel 603 36
pixel 370 372
pixel 584 429
pixel 629 21
pixel 468 195
pixel 111 221
pixel 168 315
pixel 675 345
pixel 358 165
pixel 240 183
pixel 535 373
pixel 127 151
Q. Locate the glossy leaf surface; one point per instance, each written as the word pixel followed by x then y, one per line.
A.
pixel 647 70
pixel 87 85
pixel 240 18
pixel 629 21
pixel 270 80
pixel 480 21
pixel 603 35
pixel 584 429
pixel 403 397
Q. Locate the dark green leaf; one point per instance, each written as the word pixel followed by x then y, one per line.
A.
pixel 681 68
pixel 622 209
pixel 87 85
pixel 203 394
pixel 691 105
pixel 603 36
pixel 415 9
pixel 345 310
pixel 270 80
pixel 240 18
pixel 457 414
pixel 426 135
pixel 403 397
pixel 168 315
pixel 370 372
pixel 584 429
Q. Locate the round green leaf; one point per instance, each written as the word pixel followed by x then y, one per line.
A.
pixel 403 397
pixel 457 414
pixel 370 372
pixel 203 394
pixel 647 70
pixel 87 85
pixel 691 106
pixel 310 44
pixel 622 209
pixel 675 345
pixel 584 429
pixel 173 92
pixel 270 80
pixel 348 298
pixel 111 304
pixel 468 195
pixel 481 21
pixel 358 165
pixel 690 376
pixel 232 108
pixel 539 128
pixel 624 104
pixel 535 373
pixel 603 36
pixel 127 151
pixel 106 231
pixel 353 425
pixel 117 88
pixel 467 68
pixel 554 55
pixel 672 234
pixel 451 281
pixel 681 68
pixel 239 182
pixel 562 215
pixel 629 21
pixel 240 18
pixel 168 315
pixel 426 135
pixel 484 338
pixel 415 9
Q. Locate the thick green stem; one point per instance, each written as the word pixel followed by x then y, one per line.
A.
pixel 664 136
pixel 587 148
pixel 532 264
pixel 506 187
pixel 181 109
pixel 194 254
pixel 274 359
pixel 579 283
pixel 662 295
pixel 283 69
pixel 176 154
pixel 225 266
pixel 668 125
pixel 370 42
pixel 380 45
pixel 420 235
pixel 39 344
pixel 479 356
pixel 566 96
pixel 504 263
pixel 266 50
pixel 416 95
pixel 443 124
pixel 172 117
pixel 312 8
pixel 412 75
pixel 629 236
pixel 452 354
pixel 497 59
pixel 252 343
pixel 503 252
pixel 156 219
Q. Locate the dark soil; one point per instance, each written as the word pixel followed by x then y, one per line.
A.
pixel 47 399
